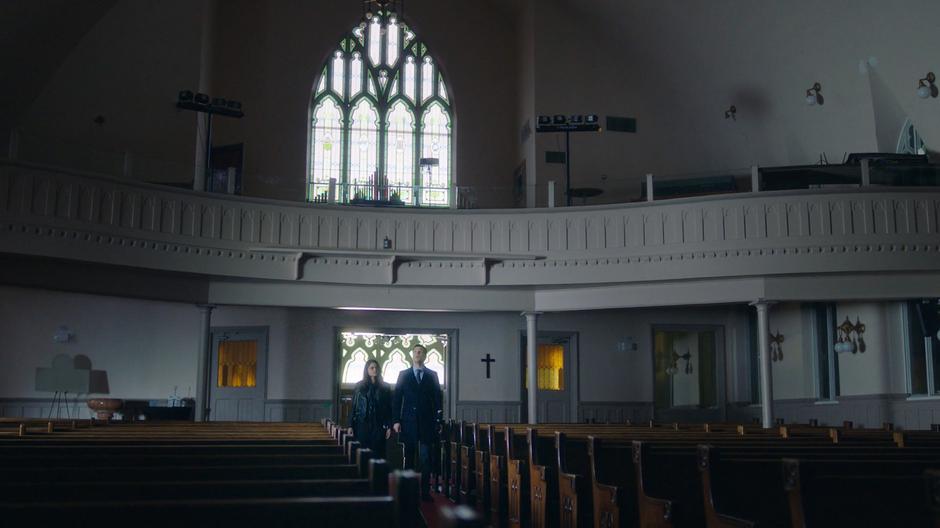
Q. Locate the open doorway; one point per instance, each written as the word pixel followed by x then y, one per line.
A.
pixel 392 350
pixel 688 373
pixel 557 364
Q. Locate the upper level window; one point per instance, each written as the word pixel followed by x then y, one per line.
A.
pixel 827 361
pixel 381 120
pixel 924 346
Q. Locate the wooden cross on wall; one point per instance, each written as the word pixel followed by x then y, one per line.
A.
pixel 488 360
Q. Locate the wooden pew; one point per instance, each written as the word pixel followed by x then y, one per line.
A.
pixel 375 484
pixel 613 483
pixel 50 489
pixel 676 503
pixel 517 481
pixel 498 501
pixel 398 510
pixel 467 464
pixel 481 471
pixel 543 480
pixel 574 482
pixel 849 492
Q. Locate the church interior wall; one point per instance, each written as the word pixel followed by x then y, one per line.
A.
pixel 146 347
pixel 269 54
pixel 674 68
pixel 677 68
pixel 793 375
pixel 866 372
pixel 138 54
pixel 525 117
pixel 149 348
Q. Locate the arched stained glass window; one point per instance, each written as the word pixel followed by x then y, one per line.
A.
pixel 327 146
pixel 435 155
pixel 436 363
pixel 395 364
pixel 381 120
pixel 352 373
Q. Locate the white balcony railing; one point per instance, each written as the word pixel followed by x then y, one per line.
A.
pixel 98 219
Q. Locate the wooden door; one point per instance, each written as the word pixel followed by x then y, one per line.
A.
pixel 238 374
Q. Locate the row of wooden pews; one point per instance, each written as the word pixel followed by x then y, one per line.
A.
pixel 675 475
pixel 84 473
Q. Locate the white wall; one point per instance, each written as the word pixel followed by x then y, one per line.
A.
pixel 793 376
pixel 146 347
pixel 677 66
pixel 129 69
pixel 865 372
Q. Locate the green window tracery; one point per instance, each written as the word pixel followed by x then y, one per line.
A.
pixel 381 120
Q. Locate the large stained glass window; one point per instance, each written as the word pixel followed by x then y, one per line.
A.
pixel 381 120
pixel 392 351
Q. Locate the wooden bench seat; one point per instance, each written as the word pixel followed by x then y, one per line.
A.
pixel 299 512
pixel 143 459
pixel 150 473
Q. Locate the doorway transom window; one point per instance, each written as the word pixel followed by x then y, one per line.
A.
pixel 392 351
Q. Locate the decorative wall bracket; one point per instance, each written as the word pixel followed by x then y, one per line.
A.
pixel 673 368
pixel 850 337
pixel 394 260
pixel 776 351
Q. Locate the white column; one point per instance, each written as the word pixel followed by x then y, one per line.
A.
pixel 531 340
pixel 766 374
pixel 755 178
pixel 866 172
pixel 649 187
pixel 551 193
pixel 202 382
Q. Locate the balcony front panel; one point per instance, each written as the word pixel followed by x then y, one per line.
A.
pixel 96 219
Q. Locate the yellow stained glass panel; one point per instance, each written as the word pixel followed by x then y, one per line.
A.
pixel 550 360
pixel 238 364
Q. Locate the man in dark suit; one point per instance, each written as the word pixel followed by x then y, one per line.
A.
pixel 415 406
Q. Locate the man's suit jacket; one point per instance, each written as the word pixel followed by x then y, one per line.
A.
pixel 415 405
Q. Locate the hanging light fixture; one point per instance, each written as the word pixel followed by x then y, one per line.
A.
pixel 850 337
pixel 776 348
pixel 813 95
pixel 371 8
pixel 927 86
pixel 673 367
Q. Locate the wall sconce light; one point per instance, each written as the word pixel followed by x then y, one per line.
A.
pixel 62 334
pixel 813 97
pixel 850 337
pixel 776 351
pixel 673 368
pixel 731 113
pixel 927 87
pixel 387 243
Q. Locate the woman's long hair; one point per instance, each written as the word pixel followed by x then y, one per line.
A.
pixel 378 372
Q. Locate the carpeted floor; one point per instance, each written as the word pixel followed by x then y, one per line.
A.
pixel 431 510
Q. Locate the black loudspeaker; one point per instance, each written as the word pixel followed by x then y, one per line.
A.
pixel 621 124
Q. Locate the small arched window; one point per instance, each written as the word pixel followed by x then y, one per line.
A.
pixel 381 120
pixel 357 363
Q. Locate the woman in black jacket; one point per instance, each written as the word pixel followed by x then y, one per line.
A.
pixel 371 410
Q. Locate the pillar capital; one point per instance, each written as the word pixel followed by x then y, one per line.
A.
pixel 762 303
pixel 206 308
pixel 531 313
